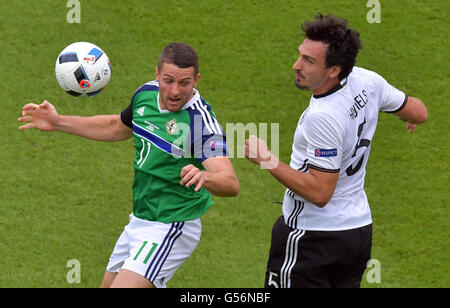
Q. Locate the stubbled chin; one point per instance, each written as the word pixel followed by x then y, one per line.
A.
pixel 173 107
pixel 300 86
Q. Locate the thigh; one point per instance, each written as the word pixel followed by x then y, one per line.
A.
pixel 108 279
pixel 293 262
pixel 120 253
pixel 129 279
pixel 317 259
pixel 157 250
pixel 354 253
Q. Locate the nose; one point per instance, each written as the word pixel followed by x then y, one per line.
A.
pixel 175 89
pixel 298 64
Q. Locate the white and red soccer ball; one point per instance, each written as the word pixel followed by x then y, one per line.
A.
pixel 83 68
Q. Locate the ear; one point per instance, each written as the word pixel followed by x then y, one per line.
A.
pixel 196 80
pixel 156 73
pixel 334 72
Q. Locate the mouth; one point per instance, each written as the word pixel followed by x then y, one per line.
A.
pixel 299 76
pixel 174 101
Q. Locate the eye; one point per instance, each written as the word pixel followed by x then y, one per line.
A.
pixel 308 60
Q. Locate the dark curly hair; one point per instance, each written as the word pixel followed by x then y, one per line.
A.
pixel 344 43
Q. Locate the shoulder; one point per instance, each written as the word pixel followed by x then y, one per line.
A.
pixel 202 113
pixel 151 86
pixel 199 105
pixel 331 108
pixel 363 72
pixel 365 76
pixel 331 119
pixel 326 121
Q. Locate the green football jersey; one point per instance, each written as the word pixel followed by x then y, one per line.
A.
pixel 166 142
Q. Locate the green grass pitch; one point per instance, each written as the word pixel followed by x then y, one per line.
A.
pixel 59 201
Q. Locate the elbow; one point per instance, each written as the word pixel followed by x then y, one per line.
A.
pixel 230 190
pixel 421 112
pixel 233 187
pixel 234 190
pixel 423 116
pixel 320 200
pixel 321 203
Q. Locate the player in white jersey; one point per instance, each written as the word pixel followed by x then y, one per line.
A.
pixel 324 237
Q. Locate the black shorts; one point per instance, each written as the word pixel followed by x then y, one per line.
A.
pixel 317 259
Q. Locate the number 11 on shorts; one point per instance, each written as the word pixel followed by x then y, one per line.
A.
pixel 154 245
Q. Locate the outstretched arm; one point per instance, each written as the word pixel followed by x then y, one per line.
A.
pixel 101 128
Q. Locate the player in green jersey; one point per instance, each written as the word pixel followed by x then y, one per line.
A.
pixel 181 159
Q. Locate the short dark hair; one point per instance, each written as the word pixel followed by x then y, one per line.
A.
pixel 180 54
pixel 344 43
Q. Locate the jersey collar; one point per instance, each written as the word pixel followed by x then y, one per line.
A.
pixel 186 106
pixel 336 88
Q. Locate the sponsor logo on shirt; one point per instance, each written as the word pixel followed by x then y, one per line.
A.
pixel 141 110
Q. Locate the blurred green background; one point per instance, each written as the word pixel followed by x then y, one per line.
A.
pixel 63 198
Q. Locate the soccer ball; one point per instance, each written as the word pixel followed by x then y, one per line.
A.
pixel 83 68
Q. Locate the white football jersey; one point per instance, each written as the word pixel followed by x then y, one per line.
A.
pixel 334 134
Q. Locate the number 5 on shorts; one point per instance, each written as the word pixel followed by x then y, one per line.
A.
pixel 154 245
pixel 272 283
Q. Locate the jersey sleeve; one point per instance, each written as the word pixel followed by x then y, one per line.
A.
pixel 392 99
pixel 325 142
pixel 127 116
pixel 206 138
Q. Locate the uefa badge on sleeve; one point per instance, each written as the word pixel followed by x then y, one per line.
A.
pixel 213 145
pixel 325 152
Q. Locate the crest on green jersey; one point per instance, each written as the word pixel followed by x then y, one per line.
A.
pixel 171 127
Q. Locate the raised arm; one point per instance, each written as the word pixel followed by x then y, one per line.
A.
pixel 102 127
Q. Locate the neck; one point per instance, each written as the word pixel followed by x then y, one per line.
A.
pixel 336 87
pixel 325 87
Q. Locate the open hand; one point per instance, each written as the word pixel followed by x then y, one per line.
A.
pixel 43 116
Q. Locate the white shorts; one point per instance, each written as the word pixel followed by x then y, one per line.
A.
pixel 155 250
